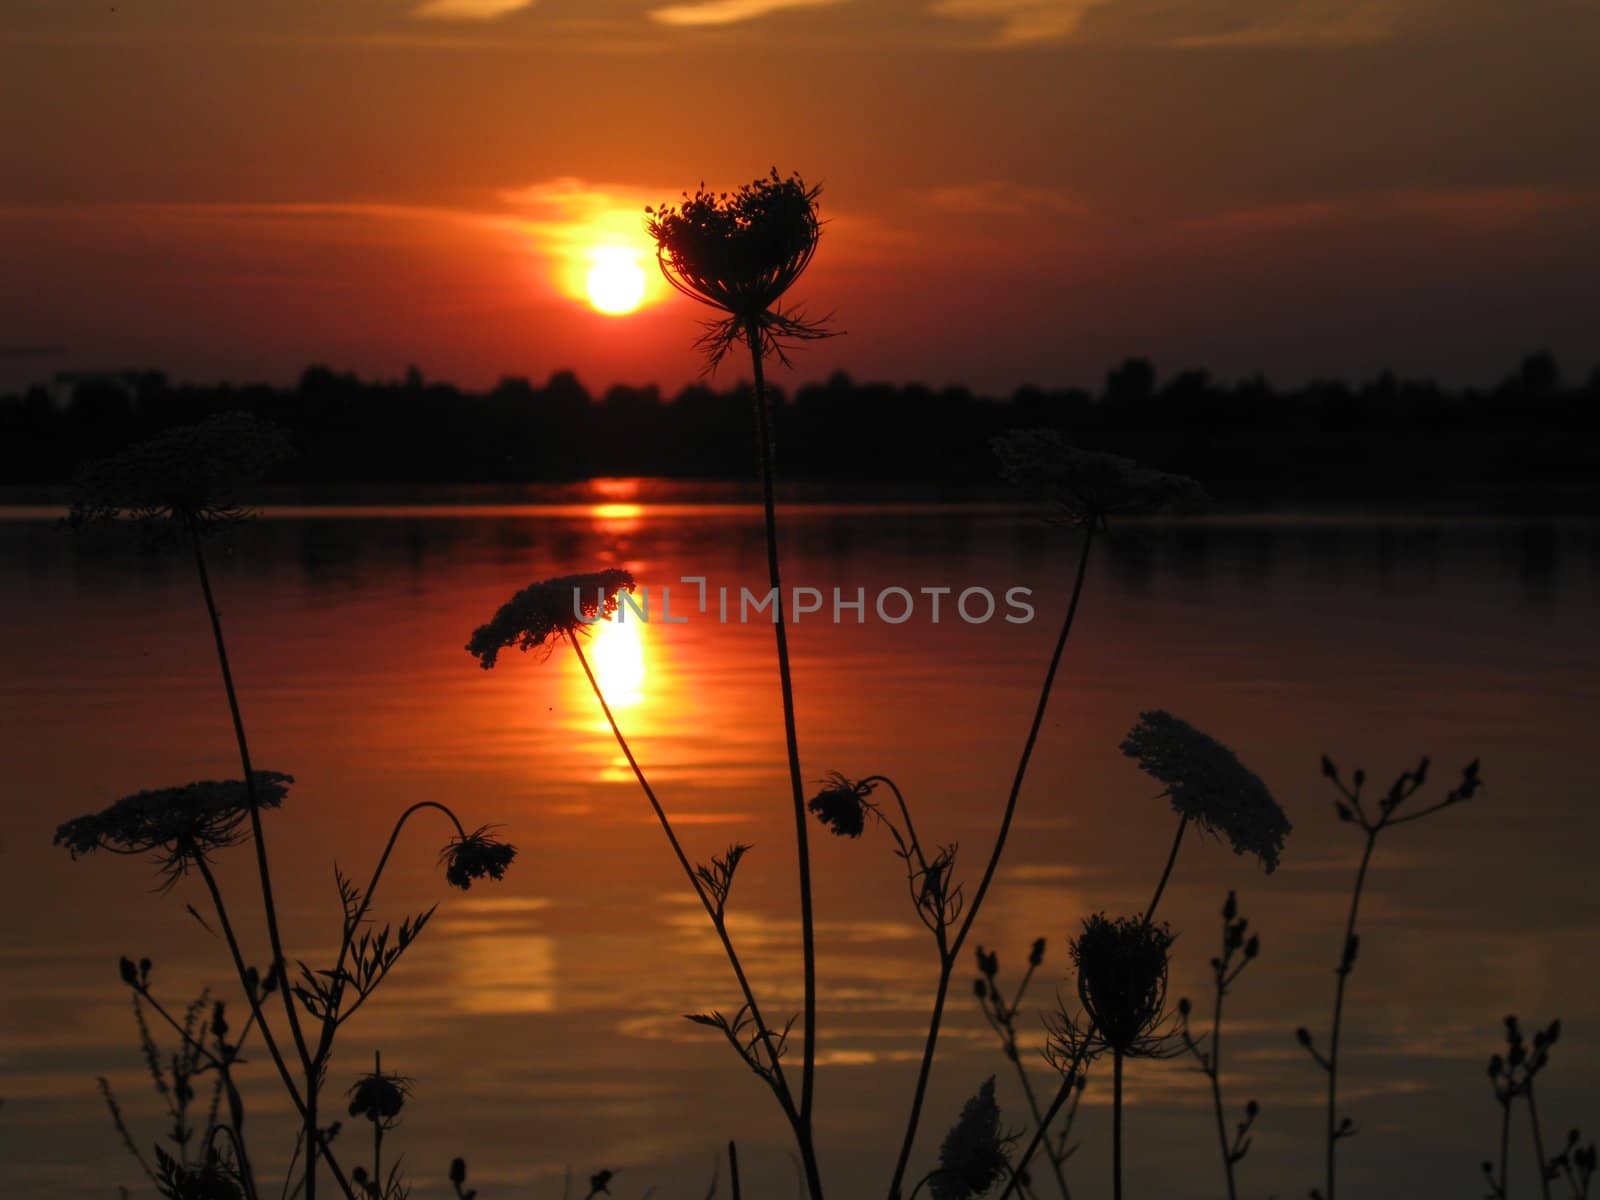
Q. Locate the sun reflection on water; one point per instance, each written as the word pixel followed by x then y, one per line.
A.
pixel 618 655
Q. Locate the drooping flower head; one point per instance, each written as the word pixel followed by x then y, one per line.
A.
pixel 180 826
pixel 972 1157
pixel 1122 980
pixel 477 855
pixel 551 608
pixel 740 252
pixel 1209 785
pixel 842 806
pixel 189 474
pixel 1085 485
pixel 378 1097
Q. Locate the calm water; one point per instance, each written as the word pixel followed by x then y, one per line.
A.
pixel 541 1019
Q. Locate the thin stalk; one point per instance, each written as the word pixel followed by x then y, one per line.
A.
pixel 808 938
pixel 1505 1145
pixel 1069 1077
pixel 1538 1142
pixel 1005 1015
pixel 258 840
pixel 333 1018
pixel 1166 872
pixel 781 1086
pixel 950 954
pixel 1345 966
pixel 306 1113
pixel 733 1169
pixel 1215 1072
pixel 1116 1125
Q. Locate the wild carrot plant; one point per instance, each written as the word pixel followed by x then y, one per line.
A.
pixel 1207 785
pixel 1353 808
pixel 1239 950
pixel 182 486
pixel 1000 1009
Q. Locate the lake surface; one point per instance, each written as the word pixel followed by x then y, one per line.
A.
pixel 541 1019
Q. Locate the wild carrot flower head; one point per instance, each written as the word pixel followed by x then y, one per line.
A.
pixel 1122 980
pixel 842 805
pixel 379 1096
pixel 972 1158
pixel 1209 784
pixel 740 252
pixel 180 826
pixel 1088 486
pixel 477 855
pixel 187 474
pixel 551 608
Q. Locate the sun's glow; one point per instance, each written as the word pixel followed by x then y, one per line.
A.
pixel 617 653
pixel 616 281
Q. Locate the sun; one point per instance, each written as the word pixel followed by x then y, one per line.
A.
pixel 615 282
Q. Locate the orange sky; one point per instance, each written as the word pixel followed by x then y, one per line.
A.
pixel 1018 190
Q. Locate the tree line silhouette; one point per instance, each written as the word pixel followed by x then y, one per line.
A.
pixel 1382 438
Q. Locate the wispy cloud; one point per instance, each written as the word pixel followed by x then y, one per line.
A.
pixel 729 12
pixel 469 10
pixel 1022 22
pixel 1310 25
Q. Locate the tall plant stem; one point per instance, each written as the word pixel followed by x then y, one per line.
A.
pixel 306 1113
pixel 1116 1125
pixel 1505 1144
pixel 269 908
pixel 808 933
pixel 1346 964
pixel 948 955
pixel 1538 1143
pixel 1069 1077
pixel 780 1088
pixel 1215 1073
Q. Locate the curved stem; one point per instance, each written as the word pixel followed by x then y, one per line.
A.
pixel 780 1084
pixel 1345 966
pixel 993 864
pixel 808 933
pixel 332 1020
pixel 258 839
pixel 1166 874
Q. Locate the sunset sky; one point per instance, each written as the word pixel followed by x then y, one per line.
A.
pixel 1017 190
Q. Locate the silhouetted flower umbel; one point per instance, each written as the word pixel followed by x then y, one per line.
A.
pixel 477 855
pixel 378 1097
pixel 553 607
pixel 1086 485
pixel 1209 785
pixel 740 252
pixel 842 806
pixel 1122 981
pixel 972 1157
pixel 180 825
pixel 189 473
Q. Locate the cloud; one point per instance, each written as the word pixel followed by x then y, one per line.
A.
pixel 1311 25
pixel 729 12
pixel 1022 22
pixel 469 10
